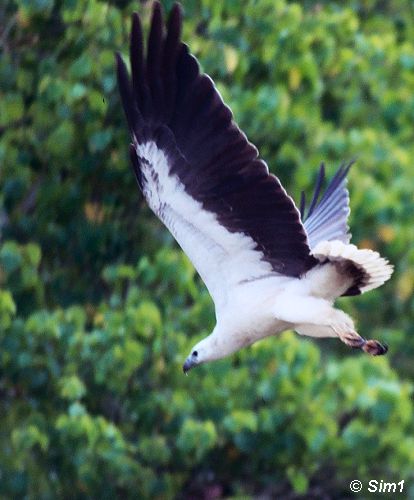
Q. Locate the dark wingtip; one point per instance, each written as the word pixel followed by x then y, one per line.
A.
pixel 343 171
pixel 352 161
pixel 346 167
pixel 156 35
pixel 318 187
pixel 157 13
pixel 136 28
pixel 176 11
pixel 121 72
pixel 322 169
pixel 175 20
pixel 125 89
pixel 174 28
pixel 118 58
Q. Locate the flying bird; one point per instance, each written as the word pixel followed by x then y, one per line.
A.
pixel 268 265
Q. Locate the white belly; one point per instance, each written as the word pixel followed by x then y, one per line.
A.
pixel 249 313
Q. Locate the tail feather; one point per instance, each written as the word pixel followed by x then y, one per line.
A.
pixel 369 269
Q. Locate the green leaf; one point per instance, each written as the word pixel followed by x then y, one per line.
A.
pixel 10 257
pixel 11 109
pixel 7 309
pixel 299 480
pixel 71 387
pixel 196 438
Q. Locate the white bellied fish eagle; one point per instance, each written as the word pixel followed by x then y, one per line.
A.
pixel 267 265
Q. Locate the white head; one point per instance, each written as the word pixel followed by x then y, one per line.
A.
pixel 200 353
pixel 215 346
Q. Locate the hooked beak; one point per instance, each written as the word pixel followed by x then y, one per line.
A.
pixel 189 363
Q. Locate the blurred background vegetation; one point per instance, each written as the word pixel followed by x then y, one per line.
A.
pixel 98 306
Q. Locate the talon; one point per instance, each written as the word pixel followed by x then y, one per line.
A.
pixel 375 348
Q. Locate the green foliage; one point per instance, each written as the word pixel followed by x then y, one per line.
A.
pixel 98 308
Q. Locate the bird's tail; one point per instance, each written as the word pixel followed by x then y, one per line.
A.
pixel 369 269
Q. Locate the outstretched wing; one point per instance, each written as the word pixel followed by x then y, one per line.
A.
pixel 197 170
pixel 326 220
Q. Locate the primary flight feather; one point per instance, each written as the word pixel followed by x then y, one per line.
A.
pixel 267 265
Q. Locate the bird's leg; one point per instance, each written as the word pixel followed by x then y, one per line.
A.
pixel 318 318
pixel 354 340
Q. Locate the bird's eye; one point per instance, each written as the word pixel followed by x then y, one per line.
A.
pixel 195 353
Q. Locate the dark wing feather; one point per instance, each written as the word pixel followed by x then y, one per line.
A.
pixel 326 219
pixel 171 103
